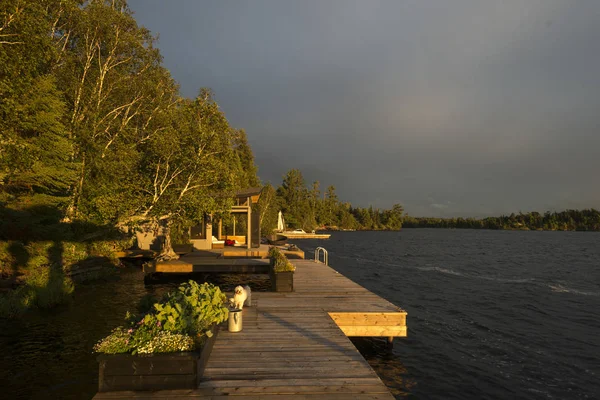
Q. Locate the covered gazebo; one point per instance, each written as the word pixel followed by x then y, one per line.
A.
pixel 207 236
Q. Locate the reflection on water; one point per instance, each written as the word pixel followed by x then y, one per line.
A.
pixel 226 282
pixel 386 364
pixel 49 355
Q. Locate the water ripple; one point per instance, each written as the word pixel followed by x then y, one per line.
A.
pixel 491 314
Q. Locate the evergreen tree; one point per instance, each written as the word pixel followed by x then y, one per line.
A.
pixel 35 149
pixel 330 207
pixel 244 160
pixel 315 207
pixel 294 199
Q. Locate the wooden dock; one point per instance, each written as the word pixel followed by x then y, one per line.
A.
pixel 209 265
pixel 227 260
pixel 294 236
pixel 295 345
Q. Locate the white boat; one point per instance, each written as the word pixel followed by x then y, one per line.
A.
pixel 280 222
pixel 297 233
pixel 301 234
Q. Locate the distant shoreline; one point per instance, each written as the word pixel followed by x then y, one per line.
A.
pixel 441 227
pixel 569 220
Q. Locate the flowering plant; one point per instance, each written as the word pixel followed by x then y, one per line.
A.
pixel 180 322
pixel 279 261
pixel 167 342
pixel 119 341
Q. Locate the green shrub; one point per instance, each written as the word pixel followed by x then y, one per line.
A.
pixel 279 261
pixel 181 321
pixel 191 309
pixel 146 303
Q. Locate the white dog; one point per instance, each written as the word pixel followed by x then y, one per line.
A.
pixel 242 297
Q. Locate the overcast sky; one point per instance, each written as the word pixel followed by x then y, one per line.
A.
pixel 452 108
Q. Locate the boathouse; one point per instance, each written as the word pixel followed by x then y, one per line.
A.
pixel 209 234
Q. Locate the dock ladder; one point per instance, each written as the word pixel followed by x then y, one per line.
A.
pixel 318 252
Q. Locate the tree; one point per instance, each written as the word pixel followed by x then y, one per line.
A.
pixel 268 208
pixel 314 205
pixel 92 124
pixel 347 219
pixel 117 93
pixel 35 167
pixel 330 207
pixel 38 169
pixel 244 160
pixel 394 220
pixel 293 199
pixel 187 171
pixel 364 218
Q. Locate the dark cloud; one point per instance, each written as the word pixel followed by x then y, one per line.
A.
pixel 452 108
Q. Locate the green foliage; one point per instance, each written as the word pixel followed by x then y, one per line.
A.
pixel 243 160
pixel 294 202
pixel 35 148
pixel 268 209
pixel 569 220
pixel 181 321
pixel 180 231
pixel 95 136
pixel 279 262
pixel 192 308
pixel 93 127
pixel 187 172
pixel 306 209
pixel 146 304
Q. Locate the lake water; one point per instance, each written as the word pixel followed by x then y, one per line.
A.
pixel 491 314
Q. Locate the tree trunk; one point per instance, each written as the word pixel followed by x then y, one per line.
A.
pixel 167 253
pixel 71 211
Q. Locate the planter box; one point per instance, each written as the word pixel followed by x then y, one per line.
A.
pixel 282 281
pixel 154 371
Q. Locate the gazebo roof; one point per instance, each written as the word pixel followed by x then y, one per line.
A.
pixel 255 191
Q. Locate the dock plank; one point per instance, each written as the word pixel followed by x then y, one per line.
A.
pixel 209 265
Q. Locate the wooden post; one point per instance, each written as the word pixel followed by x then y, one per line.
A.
pixel 249 233
pixel 233 224
pixel 390 342
pixel 220 228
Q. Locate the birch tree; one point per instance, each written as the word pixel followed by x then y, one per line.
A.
pixel 117 91
pixel 187 170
